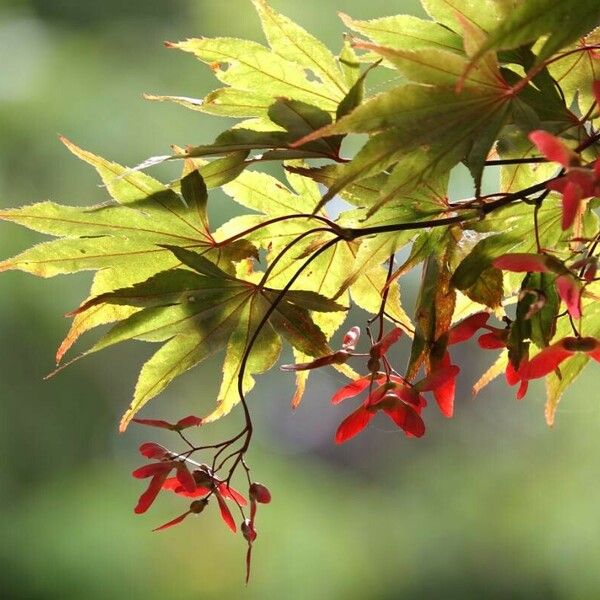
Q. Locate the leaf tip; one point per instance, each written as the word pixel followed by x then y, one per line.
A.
pixel 125 420
pixel 345 18
pixel 66 141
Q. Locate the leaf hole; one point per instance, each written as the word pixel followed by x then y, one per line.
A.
pixel 312 76
pixel 219 66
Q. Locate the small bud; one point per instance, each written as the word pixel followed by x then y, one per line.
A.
pixel 197 506
pixel 260 493
pixel 373 364
pixel 351 338
pixel 202 478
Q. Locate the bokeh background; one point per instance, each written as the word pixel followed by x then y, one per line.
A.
pixel 492 504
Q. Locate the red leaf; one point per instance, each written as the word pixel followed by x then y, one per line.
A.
pixel 181 424
pixel 438 377
pixel 186 422
pixel 185 477
pixel 154 450
pixel 173 484
pixel 407 418
pixel 248 562
pixel 553 148
pixel 248 530
pixel 411 396
pixel 336 358
pixel 175 521
pixel 467 328
pixel 492 341
pixel 522 263
pixel 352 424
pixel 546 361
pixel 522 389
pixel 152 469
pixel 148 497
pixel 381 347
pixel 352 389
pixel 154 423
pixel 570 292
pixel 571 201
pixel 444 393
pixel 378 393
pixel 512 377
pixel 558 185
pixel 229 492
pixel 225 513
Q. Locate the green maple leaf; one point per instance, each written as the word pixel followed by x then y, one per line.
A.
pixel 256 75
pixel 121 240
pixel 423 203
pixel 288 90
pixel 486 14
pixel 571 368
pixel 575 73
pixel 405 32
pixel 563 21
pixel 421 130
pixel 201 311
pixel 511 227
pixel 510 230
pixel 328 274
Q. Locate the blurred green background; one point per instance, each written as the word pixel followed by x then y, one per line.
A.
pixel 492 504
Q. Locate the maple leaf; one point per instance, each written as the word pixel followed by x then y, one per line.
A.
pixel 329 272
pixel 450 13
pixel 200 311
pixel 421 130
pixel 563 20
pixel 122 239
pixel 574 72
pixel 405 32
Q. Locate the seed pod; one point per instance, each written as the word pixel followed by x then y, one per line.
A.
pixel 197 506
pixel 202 478
pixel 260 493
pixel 248 530
pixel 351 338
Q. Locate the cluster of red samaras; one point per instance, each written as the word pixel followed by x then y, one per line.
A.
pixel 387 391
pixel 542 364
pixel 578 183
pixel 403 401
pixel 170 471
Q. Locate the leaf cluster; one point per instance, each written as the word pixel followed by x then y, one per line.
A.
pixel 475 80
